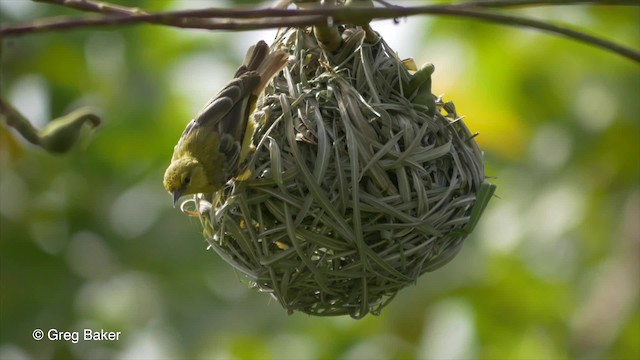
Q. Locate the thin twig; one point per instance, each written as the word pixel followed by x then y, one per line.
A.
pixel 530 3
pixel 340 12
pixel 94 6
pixel 160 19
pixel 237 19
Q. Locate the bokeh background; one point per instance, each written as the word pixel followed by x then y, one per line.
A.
pixel 90 240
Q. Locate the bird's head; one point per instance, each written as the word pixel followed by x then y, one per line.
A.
pixel 185 176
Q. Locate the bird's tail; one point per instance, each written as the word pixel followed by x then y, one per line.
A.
pixel 265 63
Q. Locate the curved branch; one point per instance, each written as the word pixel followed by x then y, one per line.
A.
pixel 517 21
pixel 235 19
pixel 529 3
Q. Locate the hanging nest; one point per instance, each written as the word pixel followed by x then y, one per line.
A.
pixel 357 186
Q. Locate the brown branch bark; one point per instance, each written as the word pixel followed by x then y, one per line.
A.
pixel 237 19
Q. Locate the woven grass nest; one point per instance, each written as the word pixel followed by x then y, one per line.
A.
pixel 355 190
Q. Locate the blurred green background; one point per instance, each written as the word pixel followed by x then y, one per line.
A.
pixel 90 240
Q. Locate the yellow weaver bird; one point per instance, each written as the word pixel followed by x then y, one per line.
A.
pixel 215 142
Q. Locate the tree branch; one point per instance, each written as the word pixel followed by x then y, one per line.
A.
pixel 238 19
pixel 530 3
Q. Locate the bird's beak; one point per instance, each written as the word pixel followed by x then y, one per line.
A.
pixel 176 196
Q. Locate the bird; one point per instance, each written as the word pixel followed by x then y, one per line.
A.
pixel 214 143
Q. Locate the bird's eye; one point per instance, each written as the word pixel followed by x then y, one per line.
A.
pixel 187 180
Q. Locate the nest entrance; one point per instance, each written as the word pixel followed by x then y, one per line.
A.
pixel 356 191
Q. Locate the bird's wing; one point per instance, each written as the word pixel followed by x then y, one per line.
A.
pixel 229 98
pixel 236 91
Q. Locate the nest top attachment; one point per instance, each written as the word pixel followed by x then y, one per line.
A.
pixel 361 181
